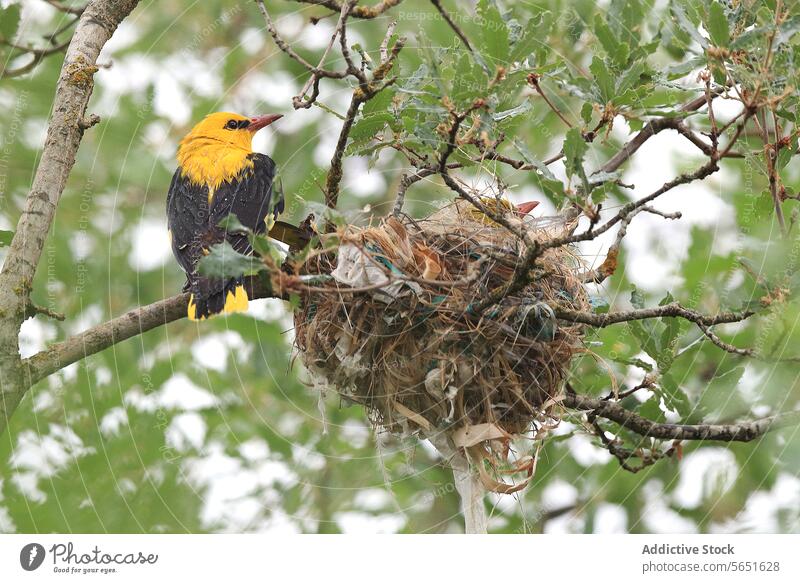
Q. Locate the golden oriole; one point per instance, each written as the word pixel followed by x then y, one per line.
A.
pixel 218 174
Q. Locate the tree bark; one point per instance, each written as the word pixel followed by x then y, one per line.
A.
pixel 740 431
pixel 133 323
pixel 64 132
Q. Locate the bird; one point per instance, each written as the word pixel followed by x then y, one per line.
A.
pixel 463 214
pixel 219 174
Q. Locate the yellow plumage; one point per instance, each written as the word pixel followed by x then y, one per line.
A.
pixel 209 155
pixel 235 301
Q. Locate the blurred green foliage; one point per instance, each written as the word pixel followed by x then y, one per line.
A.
pixel 100 445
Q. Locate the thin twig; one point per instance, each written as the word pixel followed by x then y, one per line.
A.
pixel 38 56
pixel 297 100
pixel 651 129
pixel 77 11
pixel 671 310
pixel 456 29
pixel 533 81
pixel 366 12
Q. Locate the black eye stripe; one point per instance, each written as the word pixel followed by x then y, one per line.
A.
pixel 237 125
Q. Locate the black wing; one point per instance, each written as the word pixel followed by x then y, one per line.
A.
pixel 249 197
pixel 187 217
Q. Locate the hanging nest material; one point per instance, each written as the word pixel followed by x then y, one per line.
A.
pixel 399 329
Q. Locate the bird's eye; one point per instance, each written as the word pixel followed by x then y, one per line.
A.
pixel 232 125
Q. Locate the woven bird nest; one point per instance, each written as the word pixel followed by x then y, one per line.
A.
pixel 404 333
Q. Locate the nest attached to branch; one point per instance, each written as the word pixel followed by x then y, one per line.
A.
pixel 401 331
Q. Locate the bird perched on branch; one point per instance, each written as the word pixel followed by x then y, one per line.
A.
pixel 218 175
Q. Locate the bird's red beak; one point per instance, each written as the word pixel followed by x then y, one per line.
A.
pixel 526 207
pixel 262 121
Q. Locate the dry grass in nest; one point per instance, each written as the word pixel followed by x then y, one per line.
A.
pixel 410 348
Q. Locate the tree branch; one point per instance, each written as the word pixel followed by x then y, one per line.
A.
pixel 76 10
pixel 105 335
pixel 456 29
pixel 743 431
pixel 290 52
pixel 652 128
pixel 365 12
pixel 298 100
pixel 64 132
pixel 366 90
pixel 674 310
pixel 38 56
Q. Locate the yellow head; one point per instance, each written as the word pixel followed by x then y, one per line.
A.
pixel 217 147
pixel 499 206
pixel 232 129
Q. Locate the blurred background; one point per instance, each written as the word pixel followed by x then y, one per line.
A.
pixel 209 427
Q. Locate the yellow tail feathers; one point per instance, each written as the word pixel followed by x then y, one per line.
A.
pixel 235 301
pixel 191 310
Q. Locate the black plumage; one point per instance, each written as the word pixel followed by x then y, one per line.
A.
pixel 194 224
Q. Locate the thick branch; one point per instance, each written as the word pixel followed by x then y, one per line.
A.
pixel 107 334
pixel 742 431
pixel 64 132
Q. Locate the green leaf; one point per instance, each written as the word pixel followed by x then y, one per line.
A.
pixel 370 125
pixel 626 17
pixel 681 69
pixel 494 32
pixel 586 112
pixel 687 25
pixel 644 332
pixel 529 158
pixel 417 78
pixel 325 213
pixel 637 299
pixel 717 25
pixel 469 79
pixel 224 262
pixel 669 339
pixel 631 77
pixel 599 178
pixel 637 362
pixel 523 107
pixel 651 409
pixel 574 149
pixel 752 37
pixel 5 238
pixel 787 30
pixel 554 189
pixel 674 396
pixel 603 79
pixel 380 103
pixel 9 21
pixel 618 51
pixel 232 224
pixel 607 39
pixel 785 155
pixel 528 42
